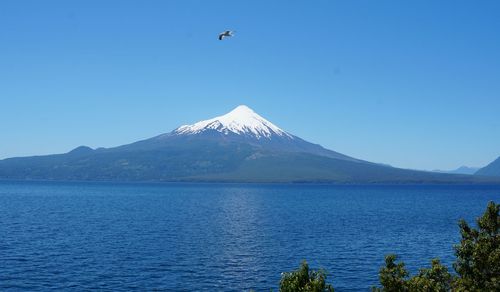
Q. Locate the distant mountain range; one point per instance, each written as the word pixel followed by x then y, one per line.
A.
pixel 460 170
pixel 240 146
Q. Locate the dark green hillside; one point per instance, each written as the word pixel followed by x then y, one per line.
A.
pixel 304 167
pixel 211 160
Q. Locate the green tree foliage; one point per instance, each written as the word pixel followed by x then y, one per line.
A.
pixel 304 280
pixel 395 278
pixel 436 278
pixel 478 254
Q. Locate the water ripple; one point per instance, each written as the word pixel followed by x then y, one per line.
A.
pixel 122 237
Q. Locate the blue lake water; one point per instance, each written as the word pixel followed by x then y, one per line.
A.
pixel 221 236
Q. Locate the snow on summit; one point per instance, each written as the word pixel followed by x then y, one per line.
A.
pixel 242 121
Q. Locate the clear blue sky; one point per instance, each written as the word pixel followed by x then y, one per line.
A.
pixel 414 84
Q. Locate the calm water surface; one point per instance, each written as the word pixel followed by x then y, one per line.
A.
pixel 69 236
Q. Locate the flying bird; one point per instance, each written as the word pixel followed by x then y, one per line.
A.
pixel 227 33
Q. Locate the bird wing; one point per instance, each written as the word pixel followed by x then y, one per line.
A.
pixel 221 36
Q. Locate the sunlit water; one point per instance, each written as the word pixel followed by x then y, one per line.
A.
pixel 221 237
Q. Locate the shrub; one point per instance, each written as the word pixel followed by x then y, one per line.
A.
pixel 478 254
pixel 304 280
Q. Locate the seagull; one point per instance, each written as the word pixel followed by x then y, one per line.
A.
pixel 227 33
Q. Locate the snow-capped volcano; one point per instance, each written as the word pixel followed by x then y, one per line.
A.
pixel 243 126
pixel 241 121
pixel 240 146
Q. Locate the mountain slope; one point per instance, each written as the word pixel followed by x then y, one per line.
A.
pixel 241 125
pixel 492 169
pixel 212 161
pixel 240 146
